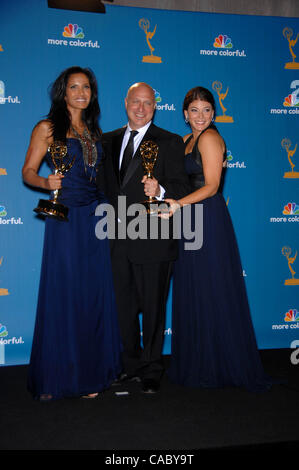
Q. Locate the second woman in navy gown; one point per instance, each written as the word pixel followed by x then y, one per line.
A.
pixel 213 342
pixel 76 343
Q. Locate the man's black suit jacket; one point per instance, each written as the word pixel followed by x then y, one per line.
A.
pixel 169 171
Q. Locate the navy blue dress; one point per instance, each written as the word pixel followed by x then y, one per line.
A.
pixel 76 343
pixel 213 340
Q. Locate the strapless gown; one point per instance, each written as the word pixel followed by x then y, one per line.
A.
pixel 213 340
pixel 76 343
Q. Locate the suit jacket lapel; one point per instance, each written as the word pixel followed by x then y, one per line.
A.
pixel 137 159
pixel 117 141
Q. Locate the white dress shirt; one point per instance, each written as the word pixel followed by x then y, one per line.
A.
pixel 137 140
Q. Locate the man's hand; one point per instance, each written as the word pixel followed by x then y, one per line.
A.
pixel 151 186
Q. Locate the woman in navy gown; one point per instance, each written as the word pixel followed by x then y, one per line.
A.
pixel 76 342
pixel 213 342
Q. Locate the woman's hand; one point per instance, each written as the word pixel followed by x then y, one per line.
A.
pixel 54 182
pixel 173 207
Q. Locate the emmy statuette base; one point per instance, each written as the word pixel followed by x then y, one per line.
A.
pixel 4 291
pixel 290 174
pixel 224 119
pixel 291 282
pixel 52 209
pixel 152 59
pixel 155 207
pixel 292 65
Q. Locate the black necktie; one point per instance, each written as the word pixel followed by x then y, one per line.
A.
pixel 127 156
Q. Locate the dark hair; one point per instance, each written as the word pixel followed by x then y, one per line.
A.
pixel 199 93
pixel 59 115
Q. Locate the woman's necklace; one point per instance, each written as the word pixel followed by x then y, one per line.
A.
pixel 89 148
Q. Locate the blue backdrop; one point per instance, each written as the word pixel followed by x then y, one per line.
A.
pixel 248 62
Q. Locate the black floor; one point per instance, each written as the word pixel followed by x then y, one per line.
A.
pixel 176 419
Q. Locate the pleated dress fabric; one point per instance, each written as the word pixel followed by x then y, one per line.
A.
pixel 76 344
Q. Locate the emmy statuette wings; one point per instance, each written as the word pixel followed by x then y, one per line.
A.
pixel 149 153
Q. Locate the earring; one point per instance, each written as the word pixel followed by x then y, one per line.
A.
pixel 186 120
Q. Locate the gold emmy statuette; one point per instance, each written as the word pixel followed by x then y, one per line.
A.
pixel 149 153
pixel 286 143
pixel 3 171
pixel 144 24
pixel 1 48
pixel 288 34
pixel 62 164
pixel 3 291
pixel 217 86
pixel 286 251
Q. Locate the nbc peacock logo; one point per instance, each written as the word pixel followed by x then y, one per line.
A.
pixel 2 92
pixel 223 46
pixel 7 99
pixel 223 42
pixel 3 331
pixel 8 221
pixel 290 102
pixel 232 164
pixel 291 321
pixel 73 31
pixel 291 209
pixel 290 213
pixel 292 99
pixel 72 37
pixel 292 315
pixel 158 98
pixel 3 212
pixel 160 106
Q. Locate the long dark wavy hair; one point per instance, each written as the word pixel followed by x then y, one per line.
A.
pixel 59 115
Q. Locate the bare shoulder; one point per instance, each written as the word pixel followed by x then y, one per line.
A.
pixel 43 129
pixel 186 137
pixel 211 137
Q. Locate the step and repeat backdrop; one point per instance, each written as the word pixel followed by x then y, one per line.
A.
pixel 250 63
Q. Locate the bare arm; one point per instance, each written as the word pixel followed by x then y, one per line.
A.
pixel 39 142
pixel 211 147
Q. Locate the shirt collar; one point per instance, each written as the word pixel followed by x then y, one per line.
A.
pixel 141 130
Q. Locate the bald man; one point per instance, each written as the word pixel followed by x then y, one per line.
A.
pixel 142 267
